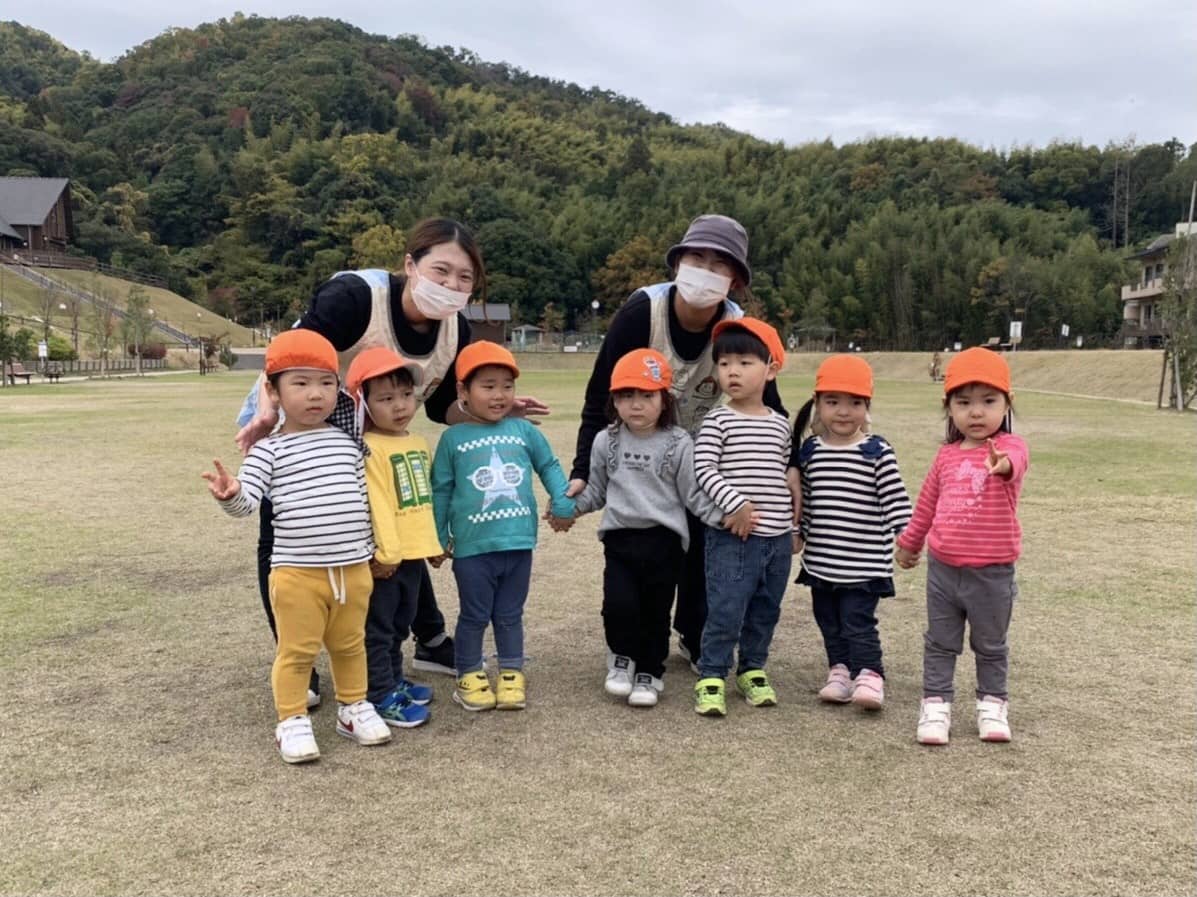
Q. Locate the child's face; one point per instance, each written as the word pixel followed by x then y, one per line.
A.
pixel 491 393
pixel 307 397
pixel 977 411
pixel 391 403
pixel 640 409
pixel 842 414
pixel 743 377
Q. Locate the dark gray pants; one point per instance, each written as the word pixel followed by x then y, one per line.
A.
pixel 984 596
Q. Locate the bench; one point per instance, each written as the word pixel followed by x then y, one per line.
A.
pixel 53 371
pixel 16 369
pixel 994 343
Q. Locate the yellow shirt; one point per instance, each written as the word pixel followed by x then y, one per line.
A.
pixel 397 481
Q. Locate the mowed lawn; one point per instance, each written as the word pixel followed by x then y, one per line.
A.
pixel 136 749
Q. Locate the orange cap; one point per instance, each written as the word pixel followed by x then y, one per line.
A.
pixel 845 373
pixel 644 369
pixel 977 365
pixel 762 331
pixel 374 362
pixel 483 352
pixel 300 349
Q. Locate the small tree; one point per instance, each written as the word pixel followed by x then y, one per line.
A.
pixel 48 306
pixel 552 319
pixel 138 321
pixel 104 322
pixel 1178 311
pixel 73 310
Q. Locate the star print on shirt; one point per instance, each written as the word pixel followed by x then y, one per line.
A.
pixel 498 480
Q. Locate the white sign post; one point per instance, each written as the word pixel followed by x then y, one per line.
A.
pixel 1063 330
pixel 43 350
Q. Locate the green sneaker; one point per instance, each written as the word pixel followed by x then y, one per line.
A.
pixel 754 686
pixel 708 697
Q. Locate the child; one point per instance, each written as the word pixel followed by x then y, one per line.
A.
pixel 319 576
pixel 397 481
pixel 967 512
pixel 486 519
pixel 740 460
pixel 853 502
pixel 642 472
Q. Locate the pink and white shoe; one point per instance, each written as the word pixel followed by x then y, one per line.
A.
pixel 991 719
pixel 935 721
pixel 869 692
pixel 838 689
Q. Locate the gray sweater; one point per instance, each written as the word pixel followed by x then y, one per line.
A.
pixel 645 481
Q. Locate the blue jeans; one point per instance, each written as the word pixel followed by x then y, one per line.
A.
pixel 746 580
pixel 847 617
pixel 492 588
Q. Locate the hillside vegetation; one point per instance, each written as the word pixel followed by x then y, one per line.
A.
pixel 247 159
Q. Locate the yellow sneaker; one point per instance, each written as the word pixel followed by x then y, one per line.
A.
pixel 473 692
pixel 511 690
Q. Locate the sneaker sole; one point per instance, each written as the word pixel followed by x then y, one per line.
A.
pixel 306 758
pixel 512 705
pixel 868 703
pixel 642 702
pixel 933 742
pixel 996 738
pixel 767 702
pixel 471 707
pixel 431 666
pixel 618 692
pixel 835 699
pixel 353 736
pixel 403 724
pixel 710 711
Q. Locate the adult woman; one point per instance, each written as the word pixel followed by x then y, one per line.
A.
pixel 676 318
pixel 419 314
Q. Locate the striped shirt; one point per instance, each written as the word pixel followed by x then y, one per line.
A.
pixel 742 457
pixel 968 516
pixel 316 482
pixel 853 502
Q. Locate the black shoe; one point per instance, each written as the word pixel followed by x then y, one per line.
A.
pixel 435 660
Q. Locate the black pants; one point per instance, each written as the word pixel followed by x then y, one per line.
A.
pixel 642 571
pixel 388 623
pixel 690 615
pixel 429 621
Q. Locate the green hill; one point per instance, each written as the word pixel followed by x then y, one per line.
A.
pixel 246 160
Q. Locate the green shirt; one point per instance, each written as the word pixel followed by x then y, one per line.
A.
pixel 482 486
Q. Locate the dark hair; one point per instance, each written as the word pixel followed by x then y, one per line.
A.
pixel 434 231
pixel 951 434
pixel 668 416
pixel 738 341
pixel 398 378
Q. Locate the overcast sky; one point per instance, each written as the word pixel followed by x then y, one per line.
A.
pixel 994 74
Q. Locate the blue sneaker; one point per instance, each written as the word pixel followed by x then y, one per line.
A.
pixel 401 713
pixel 415 694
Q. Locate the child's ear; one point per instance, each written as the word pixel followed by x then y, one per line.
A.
pixel 462 392
pixel 771 373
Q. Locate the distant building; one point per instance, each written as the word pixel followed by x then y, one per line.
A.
pixel 35 214
pixel 489 322
pixel 1141 326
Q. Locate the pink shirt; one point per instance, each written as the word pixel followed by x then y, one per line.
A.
pixel 967 516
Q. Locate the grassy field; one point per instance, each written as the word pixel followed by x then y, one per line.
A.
pixel 137 758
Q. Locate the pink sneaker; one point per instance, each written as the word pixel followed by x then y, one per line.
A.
pixel 992 724
pixel 838 689
pixel 935 721
pixel 870 690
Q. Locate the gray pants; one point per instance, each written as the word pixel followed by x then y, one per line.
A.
pixel 984 596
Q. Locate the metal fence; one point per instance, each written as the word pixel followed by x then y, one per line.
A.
pixel 93 366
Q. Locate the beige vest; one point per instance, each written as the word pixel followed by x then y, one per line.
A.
pixel 434 366
pixel 695 386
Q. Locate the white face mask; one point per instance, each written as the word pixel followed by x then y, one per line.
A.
pixel 436 301
pixel 700 287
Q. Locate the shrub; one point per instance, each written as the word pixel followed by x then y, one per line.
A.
pixel 59 349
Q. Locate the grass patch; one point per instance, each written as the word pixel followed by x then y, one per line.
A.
pixel 137 754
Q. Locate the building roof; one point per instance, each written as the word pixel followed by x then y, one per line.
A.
pixel 29 200
pixel 496 313
pixel 7 231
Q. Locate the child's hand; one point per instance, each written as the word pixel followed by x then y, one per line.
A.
pixel 222 484
pixel 438 560
pixel 380 570
pixel 742 522
pixel 797 545
pixel 561 524
pixel 907 560
pixel 997 463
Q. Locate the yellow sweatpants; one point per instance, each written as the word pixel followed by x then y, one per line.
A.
pixel 307 612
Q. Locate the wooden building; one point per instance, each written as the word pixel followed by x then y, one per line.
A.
pixel 489 323
pixel 1141 325
pixel 35 214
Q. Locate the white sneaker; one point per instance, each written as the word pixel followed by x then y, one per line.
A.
pixel 313 699
pixel 991 719
pixel 620 670
pixel 295 740
pixel 935 721
pixel 361 722
pixel 645 691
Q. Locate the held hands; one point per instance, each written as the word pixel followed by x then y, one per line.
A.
pixel 907 560
pixel 798 544
pixel 559 524
pixel 997 463
pixel 439 559
pixel 380 570
pixel 222 484
pixel 742 521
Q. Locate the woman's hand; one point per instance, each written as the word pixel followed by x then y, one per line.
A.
pixel 528 407
pixel 258 428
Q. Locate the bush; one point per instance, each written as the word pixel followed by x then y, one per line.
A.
pixel 59 349
pixel 149 351
pixel 227 358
